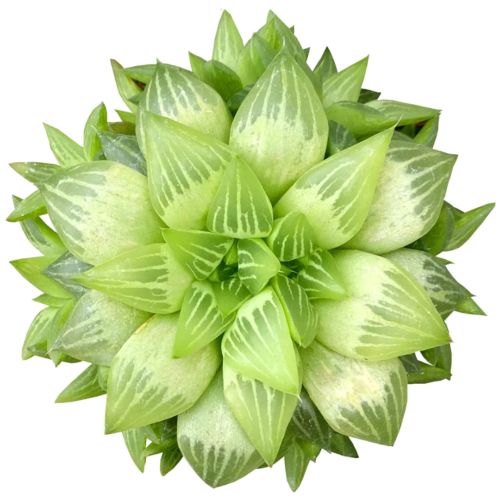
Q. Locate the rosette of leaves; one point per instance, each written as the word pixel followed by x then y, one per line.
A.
pixel 248 260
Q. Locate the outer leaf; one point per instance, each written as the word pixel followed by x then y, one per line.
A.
pixel 357 398
pixel 468 306
pixel 169 459
pixel 143 73
pixel 84 386
pixel 410 363
pixel 121 128
pixel 405 113
pixel 278 35
pixel 148 278
pixel 388 313
pixel 126 116
pixel 123 149
pixel 339 138
pixel 429 374
pixel 259 346
pixel 34 171
pixel 136 443
pixel 440 357
pixel 56 326
pixel 101 198
pixel 146 384
pixel 296 463
pixel 156 448
pixel 336 195
pixel 127 88
pixel 221 78
pixel 29 208
pixel 342 445
pixel 197 64
pixel 38 331
pixel 428 133
pixel 280 129
pixel 366 96
pixel 228 42
pixel 408 198
pixel 326 65
pixel 67 152
pixel 97 121
pixel 254 59
pixel 230 294
pixel 51 301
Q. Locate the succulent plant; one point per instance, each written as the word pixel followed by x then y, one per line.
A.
pixel 248 260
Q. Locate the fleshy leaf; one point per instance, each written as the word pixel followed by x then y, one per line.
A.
pixel 127 88
pixel 197 64
pixel 51 301
pixel 469 306
pixel 254 59
pixel 280 129
pixel 32 206
pixel 388 313
pixel 222 79
pixel 429 374
pixel 259 345
pixel 408 198
pixel 102 377
pixel 366 96
pixel 156 448
pixel 97 122
pixel 228 42
pixel 236 100
pixel 56 326
pixel 296 463
pixel 336 195
pixel 230 294
pixel 339 138
pixel 428 133
pixel 143 73
pixel 146 384
pixel 326 65
pixel 357 398
pixel 136 443
pixel 35 172
pixel 123 149
pixel 278 35
pixel 213 442
pixel 100 210
pixel 440 357
pixel 67 152
pixel 169 459
pixel 121 128
pixel 410 363
pixel 38 331
pixel 199 251
pixel 148 278
pixel 404 113
pixel 127 116
pixel 241 208
pixel 85 386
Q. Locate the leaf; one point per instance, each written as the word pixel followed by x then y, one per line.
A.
pixel 197 64
pixel 67 152
pixel 185 170
pixel 136 443
pixel 429 374
pixel 256 264
pixel 146 384
pixel 85 386
pixel 123 149
pixel 199 251
pixel 336 195
pixel 230 294
pixel 121 128
pixel 56 326
pixel 126 116
pixel 35 172
pixel 278 35
pixel 310 450
pixel 300 313
pixel 410 363
pixel 342 445
pixel 143 73
pixel 326 65
pixel 467 225
pixel 148 278
pixel 126 86
pixel 157 448
pixel 344 85
pixel 101 198
pixel 222 79
pixel 102 377
pixel 29 208
pixel 38 331
pixel 262 411
pixel 404 113
pixel 388 313
pixel 228 42
pixel 169 459
pixel 357 398
pixel 213 442
pixel 296 463
pixel 97 122
pixel 408 198
pixel 200 321
pixel 428 133
pixel 98 327
pixel 339 138
pixel 366 96
pixel 234 102
pixel 468 306
pixel 258 344
pixel 254 59
pixel 280 129
pixel 241 208
pixel 51 301
pixel 439 356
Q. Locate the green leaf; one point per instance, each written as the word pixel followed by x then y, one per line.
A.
pixel 136 443
pixel 143 73
pixel 336 195
pixel 241 208
pixel 300 313
pixel 222 79
pixel 29 208
pixel 259 345
pixel 278 35
pixel 123 149
pixel 121 128
pixel 200 321
pixel 326 65
pixel 185 169
pixel 467 225
pixel 280 129
pixel 344 85
pixel 234 102
pixel 254 59
pixel 366 96
pixel 468 306
pixel 296 463
pixel 256 264
pixel 67 152
pixel 127 88
pixel 156 448
pixel 439 356
pixel 199 251
pixel 197 64
pixel 213 442
pixel 230 294
pixel 429 374
pixel 97 122
pixel 98 327
pixel 310 450
pixel 342 445
pixel 56 326
pixel 148 278
pixel 339 138
pixel 38 331
pixel 146 384
pixel 102 377
pixel 388 313
pixel 360 399
pixel 169 459
pixel 262 411
pixel 408 198
pixel 85 386
pixel 101 198
pixel 51 301
pixel 35 172
pixel 404 113
pixel 410 363
pixel 126 116
pixel 228 43
pixel 428 133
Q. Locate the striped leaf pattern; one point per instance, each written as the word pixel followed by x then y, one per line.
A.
pixel 296 463
pixel 123 149
pixel 127 88
pixel 388 313
pixel 241 208
pixel 98 327
pixel 278 35
pixel 147 384
pixel 408 198
pixel 32 206
pixel 85 386
pixel 280 128
pixel 56 326
pixel 135 440
pixel 263 412
pixel 366 96
pixel 35 172
pixel 259 345
pixel 142 73
pixel 228 42
pixel 222 79
pixel 213 442
pixel 101 198
pixel 254 59
pixel 185 168
pixel 102 377
pixel 230 294
pixel 148 278
pixel 326 65
pixel 406 114
pixel 169 460
pixel 200 321
pixel 97 121
pixel 50 300
pixel 199 251
pixel 357 398
pixel 67 152
pixel 428 133
pixel 339 138
pixel 336 195
pixel 38 331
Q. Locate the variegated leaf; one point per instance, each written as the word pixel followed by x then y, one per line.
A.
pixel 127 88
pixel 212 440
pixel 135 441
pixel 222 79
pixel 143 73
pixel 102 377
pixel 156 448
pixel 146 384
pixel 236 100
pixel 127 116
pixel 199 251
pixel 169 459
pixel 123 149
pixel 241 208
pixel 38 331
pixel 223 273
pixel 428 133
pixel 326 65
pixel 85 386
pixel 410 363
pixel 97 122
pixel 67 152
pixel 56 326
pixel 357 398
pixel 404 113
pixel 366 96
pixel 254 59
pixel 32 206
pixel 121 128
pixel 408 198
pixel 51 301
pixel 259 345
pixel 148 278
pixel 100 210
pixel 280 129
pixel 469 306
pixel 231 257
pixel 230 294
pixel 278 35
pixel 228 42
pixel 296 463
pixel 440 357
pixel 197 64
pixel 339 138
pixel 388 313
pixel 35 172
pixel 336 195
pixel 428 374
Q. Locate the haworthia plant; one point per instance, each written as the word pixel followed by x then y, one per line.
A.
pixel 250 260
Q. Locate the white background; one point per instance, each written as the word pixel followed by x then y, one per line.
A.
pixel 55 68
